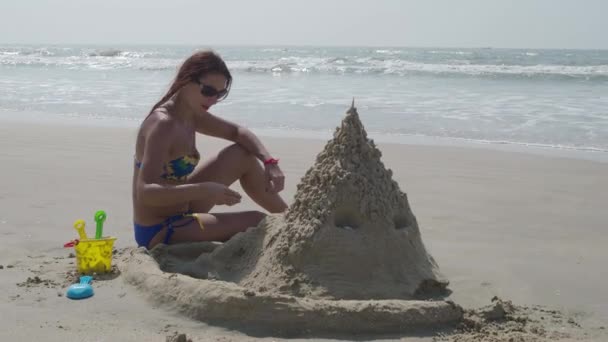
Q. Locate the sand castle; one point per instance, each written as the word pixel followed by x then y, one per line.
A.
pixel 347 256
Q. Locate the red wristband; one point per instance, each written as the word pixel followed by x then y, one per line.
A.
pixel 271 161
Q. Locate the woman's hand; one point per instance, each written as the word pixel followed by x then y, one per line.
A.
pixel 274 178
pixel 220 194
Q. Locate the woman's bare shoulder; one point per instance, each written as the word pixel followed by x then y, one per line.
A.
pixel 159 125
pixel 159 121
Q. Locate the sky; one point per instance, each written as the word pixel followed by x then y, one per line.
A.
pixel 571 24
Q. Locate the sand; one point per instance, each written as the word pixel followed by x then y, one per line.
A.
pixel 346 257
pixel 523 227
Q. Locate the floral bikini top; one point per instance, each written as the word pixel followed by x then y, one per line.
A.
pixel 177 169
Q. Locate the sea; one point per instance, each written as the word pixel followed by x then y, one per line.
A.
pixel 552 100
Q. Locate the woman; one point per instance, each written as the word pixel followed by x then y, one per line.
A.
pixel 172 191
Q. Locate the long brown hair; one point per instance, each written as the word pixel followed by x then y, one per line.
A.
pixel 199 64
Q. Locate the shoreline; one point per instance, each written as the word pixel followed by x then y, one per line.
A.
pixel 572 152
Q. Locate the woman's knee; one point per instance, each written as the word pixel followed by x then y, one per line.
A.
pixel 239 220
pixel 238 152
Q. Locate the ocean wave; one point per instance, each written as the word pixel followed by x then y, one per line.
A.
pixel 110 61
pixel 119 53
pixel 105 53
pixel 370 64
pixel 400 67
pixel 447 52
pixel 388 52
pixel 41 52
pixel 275 50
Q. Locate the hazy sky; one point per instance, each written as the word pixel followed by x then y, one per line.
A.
pixel 446 23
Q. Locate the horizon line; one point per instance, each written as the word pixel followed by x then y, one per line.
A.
pixel 309 46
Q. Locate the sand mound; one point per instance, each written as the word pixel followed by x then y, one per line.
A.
pixel 177 337
pixel 350 233
pixel 502 321
pixel 346 256
pixel 228 304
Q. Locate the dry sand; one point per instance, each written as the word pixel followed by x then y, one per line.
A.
pixel 523 227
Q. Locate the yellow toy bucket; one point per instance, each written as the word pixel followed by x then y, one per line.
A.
pixel 93 255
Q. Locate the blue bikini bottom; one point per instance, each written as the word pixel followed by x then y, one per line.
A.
pixel 145 234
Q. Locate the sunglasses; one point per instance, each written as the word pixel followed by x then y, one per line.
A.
pixel 210 91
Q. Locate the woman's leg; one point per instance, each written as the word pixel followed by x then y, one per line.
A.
pixel 216 227
pixel 231 164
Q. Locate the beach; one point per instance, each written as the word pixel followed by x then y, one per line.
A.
pixel 525 227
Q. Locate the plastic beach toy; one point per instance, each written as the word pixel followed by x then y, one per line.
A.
pixel 100 217
pixel 81 290
pixel 93 255
pixel 79 226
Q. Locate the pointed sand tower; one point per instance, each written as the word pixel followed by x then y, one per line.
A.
pixel 350 233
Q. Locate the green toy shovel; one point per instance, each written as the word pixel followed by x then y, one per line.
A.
pixel 100 217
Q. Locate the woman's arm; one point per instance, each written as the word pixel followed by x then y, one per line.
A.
pixel 150 189
pixel 212 125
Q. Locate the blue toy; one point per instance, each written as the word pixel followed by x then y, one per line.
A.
pixel 81 290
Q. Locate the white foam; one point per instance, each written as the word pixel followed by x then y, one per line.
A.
pixel 380 61
pixel 399 67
